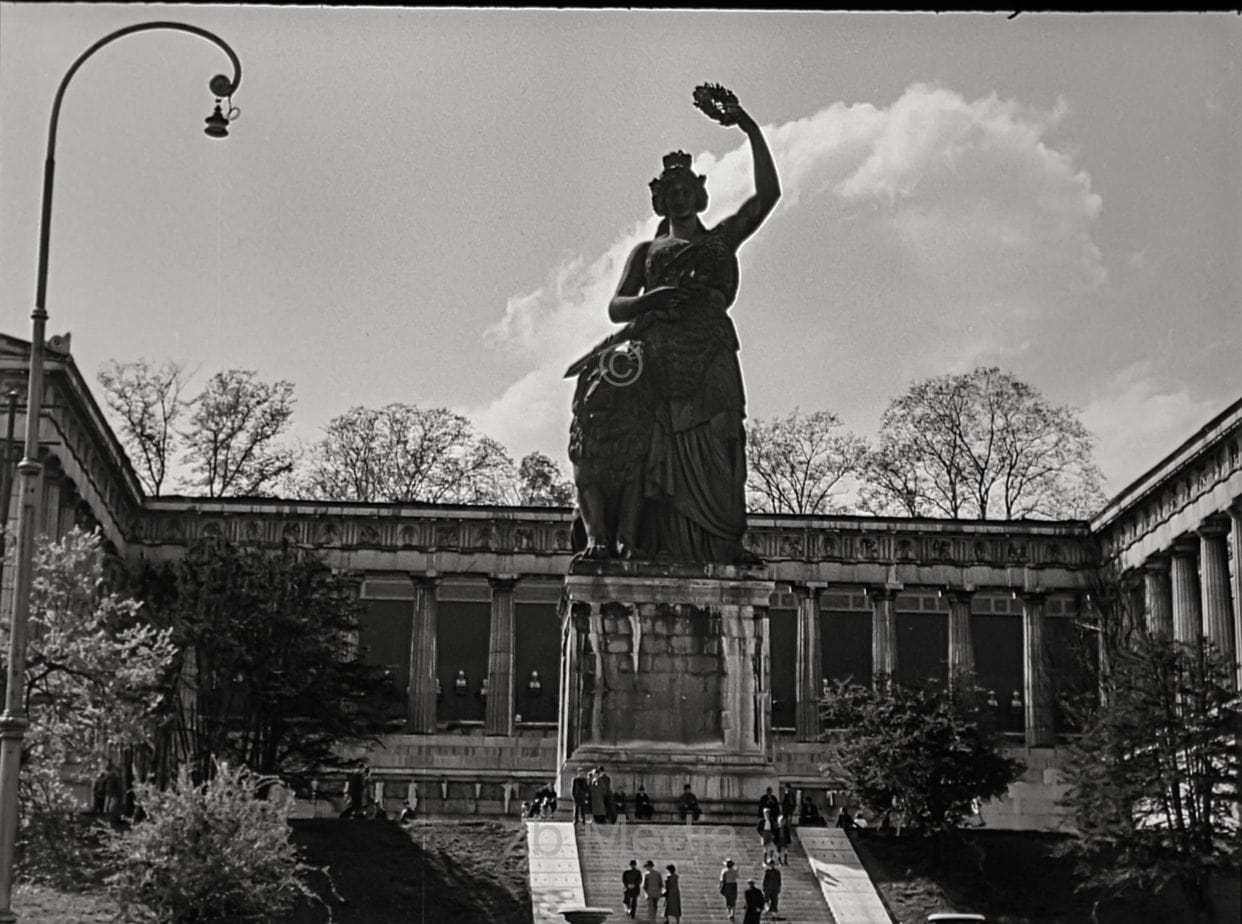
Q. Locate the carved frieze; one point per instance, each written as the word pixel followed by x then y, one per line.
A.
pixel 887 542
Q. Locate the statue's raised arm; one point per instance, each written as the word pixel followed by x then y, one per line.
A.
pixel 722 106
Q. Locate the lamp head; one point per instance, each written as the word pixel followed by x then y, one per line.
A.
pixel 217 124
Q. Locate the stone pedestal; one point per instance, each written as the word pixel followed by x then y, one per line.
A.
pixel 666 678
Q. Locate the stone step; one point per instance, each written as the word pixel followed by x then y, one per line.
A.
pixel 698 851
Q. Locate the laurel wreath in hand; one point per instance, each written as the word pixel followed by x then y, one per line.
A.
pixel 712 99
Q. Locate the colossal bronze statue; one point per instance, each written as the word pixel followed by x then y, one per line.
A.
pixel 657 440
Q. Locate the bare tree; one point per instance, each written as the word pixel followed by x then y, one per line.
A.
pixel 402 453
pixel 797 464
pixel 541 484
pixel 978 445
pixel 231 440
pixel 890 486
pixel 147 403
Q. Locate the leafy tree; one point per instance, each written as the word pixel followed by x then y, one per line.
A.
pixel 212 851
pixel 147 402
pixel 982 444
pixel 231 440
pixel 541 484
pixel 1153 781
pixel 402 453
pixel 926 752
pixel 269 676
pixel 796 464
pixel 93 668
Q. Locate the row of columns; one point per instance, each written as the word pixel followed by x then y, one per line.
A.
pixel 1038 694
pixel 421 707
pixel 1189 592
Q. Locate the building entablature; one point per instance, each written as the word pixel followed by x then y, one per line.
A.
pixel 76 438
pixel 1199 481
pixel 536 541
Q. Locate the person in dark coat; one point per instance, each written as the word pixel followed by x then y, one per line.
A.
pixel 620 812
pixel 772 887
pixel 688 804
pixel 781 839
pixel 601 794
pixel 789 803
pixel 631 884
pixel 672 895
pixel 653 888
pixel 643 809
pixel 768 801
pixel 754 899
pixel 728 887
pixel 581 791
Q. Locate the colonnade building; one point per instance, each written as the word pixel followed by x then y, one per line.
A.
pixel 463 604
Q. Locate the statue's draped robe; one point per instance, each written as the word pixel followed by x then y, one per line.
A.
pixel 680 426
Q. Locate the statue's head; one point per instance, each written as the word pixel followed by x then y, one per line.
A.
pixel 677 171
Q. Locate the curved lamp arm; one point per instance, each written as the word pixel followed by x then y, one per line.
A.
pixel 220 85
pixel 13 721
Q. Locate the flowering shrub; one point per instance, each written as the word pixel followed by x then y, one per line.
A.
pixel 215 851
pixel 93 669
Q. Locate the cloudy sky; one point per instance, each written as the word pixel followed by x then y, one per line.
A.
pixel 432 206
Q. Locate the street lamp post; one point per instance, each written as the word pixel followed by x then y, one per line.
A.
pixel 13 722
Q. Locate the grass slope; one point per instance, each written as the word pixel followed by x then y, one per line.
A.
pixel 1011 877
pixel 461 871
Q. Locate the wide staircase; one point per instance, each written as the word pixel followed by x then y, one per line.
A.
pixel 698 851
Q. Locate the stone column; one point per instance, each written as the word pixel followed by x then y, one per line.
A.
pixel 883 632
pixel 1158 596
pixel 595 632
pixel 1214 584
pixel 421 710
pixel 961 642
pixel 1235 540
pixel 761 660
pixel 810 661
pixel 567 738
pixel 1037 684
pixel 498 718
pixel 1187 615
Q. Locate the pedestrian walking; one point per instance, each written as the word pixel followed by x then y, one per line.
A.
pixel 672 896
pixel 631 884
pixel 754 903
pixel 728 887
pixel 653 888
pixel 767 835
pixel 781 838
pixel 772 888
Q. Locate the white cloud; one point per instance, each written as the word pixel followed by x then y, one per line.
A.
pixel 1138 420
pixel 985 224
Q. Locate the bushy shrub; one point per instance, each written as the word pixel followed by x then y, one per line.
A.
pixel 926 752
pixel 214 851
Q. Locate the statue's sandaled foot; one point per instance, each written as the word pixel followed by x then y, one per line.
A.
pixel 628 552
pixel 595 551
